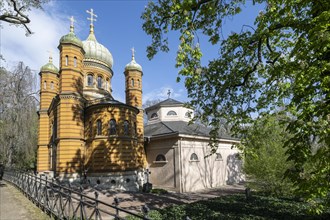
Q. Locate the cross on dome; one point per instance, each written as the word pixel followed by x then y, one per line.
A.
pixel 91 12
pixel 133 53
pixel 50 56
pixel 72 23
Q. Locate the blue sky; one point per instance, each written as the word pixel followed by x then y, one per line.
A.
pixel 119 28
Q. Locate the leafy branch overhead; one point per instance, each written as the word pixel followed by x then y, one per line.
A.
pixel 278 63
pixel 16 12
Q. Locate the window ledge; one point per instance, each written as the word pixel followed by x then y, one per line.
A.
pixel 160 162
pixel 194 161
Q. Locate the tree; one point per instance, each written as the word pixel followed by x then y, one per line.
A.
pixel 16 11
pixel 280 61
pixel 265 160
pixel 18 117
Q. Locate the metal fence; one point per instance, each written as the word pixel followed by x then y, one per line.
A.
pixel 66 202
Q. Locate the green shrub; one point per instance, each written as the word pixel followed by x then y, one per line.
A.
pixel 159 191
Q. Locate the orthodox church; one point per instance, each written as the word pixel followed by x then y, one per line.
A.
pixel 85 133
pixel 82 128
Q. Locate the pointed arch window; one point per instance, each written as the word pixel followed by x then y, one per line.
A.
pixel 126 127
pixel 139 83
pixel 45 84
pixel 66 60
pixel 75 61
pixel 89 80
pixel 112 127
pixel 99 82
pixel 99 127
pixel 132 82
pixel 52 85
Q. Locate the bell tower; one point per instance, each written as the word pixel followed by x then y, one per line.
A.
pixel 48 90
pixel 133 78
pixel 70 107
pixel 133 81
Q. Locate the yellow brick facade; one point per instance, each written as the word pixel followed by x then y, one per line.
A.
pixel 76 107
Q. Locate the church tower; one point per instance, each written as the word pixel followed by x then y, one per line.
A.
pixel 69 113
pixel 48 90
pixel 133 78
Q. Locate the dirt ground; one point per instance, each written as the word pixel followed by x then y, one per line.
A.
pixel 15 206
pixel 133 201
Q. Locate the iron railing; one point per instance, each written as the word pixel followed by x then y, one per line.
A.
pixel 66 202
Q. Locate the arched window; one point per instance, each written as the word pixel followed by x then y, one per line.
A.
pixel 99 81
pixel 154 115
pixel 66 60
pixel 193 157
pixel 135 129
pixel 99 127
pixel 45 84
pixel 112 127
pixel 171 113
pixel 126 127
pixel 89 80
pixel 52 85
pixel 188 114
pixel 139 83
pixel 132 82
pixel 218 156
pixel 160 157
pixel 75 61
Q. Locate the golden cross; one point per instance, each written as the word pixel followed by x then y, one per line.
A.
pixel 72 20
pixel 91 12
pixel 50 56
pixel 133 52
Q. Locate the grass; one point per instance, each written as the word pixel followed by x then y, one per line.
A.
pixel 238 207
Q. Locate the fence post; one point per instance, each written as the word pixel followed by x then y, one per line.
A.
pixel 145 210
pixel 96 205
pixel 116 202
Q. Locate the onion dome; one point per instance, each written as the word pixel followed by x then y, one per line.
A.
pixel 49 67
pixel 96 52
pixel 71 37
pixel 133 65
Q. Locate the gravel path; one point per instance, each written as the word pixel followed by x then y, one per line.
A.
pixel 15 206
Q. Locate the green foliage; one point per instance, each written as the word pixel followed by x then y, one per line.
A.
pixel 153 215
pixel 282 60
pixel 265 161
pixel 159 191
pixel 237 207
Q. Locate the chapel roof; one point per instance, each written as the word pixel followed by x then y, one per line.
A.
pixel 166 103
pixel 179 127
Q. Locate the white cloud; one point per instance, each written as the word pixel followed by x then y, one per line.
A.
pixel 48 27
pixel 162 94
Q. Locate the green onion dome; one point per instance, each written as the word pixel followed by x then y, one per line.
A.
pixel 49 67
pixel 71 38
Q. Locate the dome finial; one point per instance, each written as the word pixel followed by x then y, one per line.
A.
pixel 72 24
pixel 50 56
pixel 133 53
pixel 91 12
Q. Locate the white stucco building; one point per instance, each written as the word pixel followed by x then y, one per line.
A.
pixel 178 154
